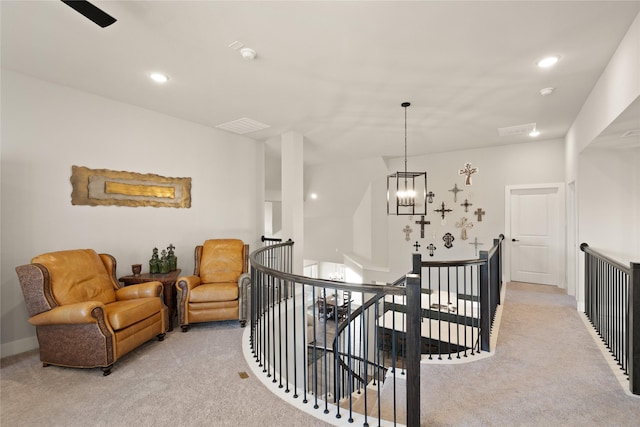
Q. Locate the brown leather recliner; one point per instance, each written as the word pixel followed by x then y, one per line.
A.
pixel 83 317
pixel 219 286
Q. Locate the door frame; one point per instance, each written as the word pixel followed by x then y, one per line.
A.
pixel 562 217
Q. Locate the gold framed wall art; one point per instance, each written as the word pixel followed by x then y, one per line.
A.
pixel 103 187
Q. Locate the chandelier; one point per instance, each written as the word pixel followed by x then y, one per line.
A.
pixel 406 191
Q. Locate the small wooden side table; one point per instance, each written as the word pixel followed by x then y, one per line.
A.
pixel 168 281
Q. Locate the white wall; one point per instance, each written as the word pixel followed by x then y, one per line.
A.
pixel 527 163
pixel 608 188
pixel 340 187
pixel 535 162
pixel 608 215
pixel 362 229
pixel 47 128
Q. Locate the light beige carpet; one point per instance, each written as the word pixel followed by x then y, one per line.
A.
pixel 189 379
pixel 547 371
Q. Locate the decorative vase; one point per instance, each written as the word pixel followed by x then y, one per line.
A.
pixel 164 263
pixel 154 262
pixel 136 269
pixel 171 256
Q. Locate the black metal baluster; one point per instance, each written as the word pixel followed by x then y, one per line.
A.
pixel 304 339
pixel 316 313
pixel 430 314
pixel 475 320
pixel 457 307
pixel 326 375
pixel 286 336
pixel 364 375
pixel 378 366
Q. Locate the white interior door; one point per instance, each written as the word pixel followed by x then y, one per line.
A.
pixel 535 235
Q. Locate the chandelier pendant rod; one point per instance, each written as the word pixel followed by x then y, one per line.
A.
pixel 405 105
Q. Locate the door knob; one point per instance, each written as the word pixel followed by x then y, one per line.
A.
pixel 515 240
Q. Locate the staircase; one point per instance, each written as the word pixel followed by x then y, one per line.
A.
pixel 391 390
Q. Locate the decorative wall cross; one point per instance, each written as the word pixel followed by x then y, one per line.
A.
pixel 468 171
pixel 417 246
pixel 430 196
pixel 442 210
pixel 422 222
pixel 406 230
pixel 466 205
pixel 431 248
pixel 463 224
pixel 455 190
pixel 448 239
pixel 479 212
pixel 475 243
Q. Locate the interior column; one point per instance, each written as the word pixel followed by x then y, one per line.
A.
pixel 293 196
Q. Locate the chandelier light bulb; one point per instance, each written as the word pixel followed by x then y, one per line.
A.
pixel 406 197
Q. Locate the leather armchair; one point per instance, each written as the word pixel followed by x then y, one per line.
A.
pixel 219 286
pixel 83 316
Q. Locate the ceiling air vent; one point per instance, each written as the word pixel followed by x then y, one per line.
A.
pixel 242 126
pixel 631 133
pixel 517 130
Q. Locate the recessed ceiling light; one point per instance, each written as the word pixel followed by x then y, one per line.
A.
pixel 314 196
pixel 159 77
pixel 248 53
pixel 547 91
pixel 549 61
pixel 534 133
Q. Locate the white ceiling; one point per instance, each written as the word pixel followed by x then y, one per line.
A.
pixel 335 72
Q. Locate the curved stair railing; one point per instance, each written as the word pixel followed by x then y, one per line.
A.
pixel 354 350
pixel 294 325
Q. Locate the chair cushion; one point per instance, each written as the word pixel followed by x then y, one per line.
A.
pixel 78 276
pixel 122 314
pixel 209 292
pixel 222 260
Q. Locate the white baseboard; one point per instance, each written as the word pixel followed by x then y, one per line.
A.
pixel 12 348
pixel 615 368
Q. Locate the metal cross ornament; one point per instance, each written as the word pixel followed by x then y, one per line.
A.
pixel 455 190
pixel 475 243
pixel 479 212
pixel 466 205
pixel 468 171
pixel 406 230
pixel 422 223
pixel 448 240
pixel 442 210
pixel 417 246
pixel 430 196
pixel 463 224
pixel 431 248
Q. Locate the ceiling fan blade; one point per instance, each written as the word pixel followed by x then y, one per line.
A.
pixel 91 12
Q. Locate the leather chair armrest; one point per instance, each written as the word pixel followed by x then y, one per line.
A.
pixel 244 277
pixel 68 314
pixel 244 292
pixel 140 290
pixel 186 283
